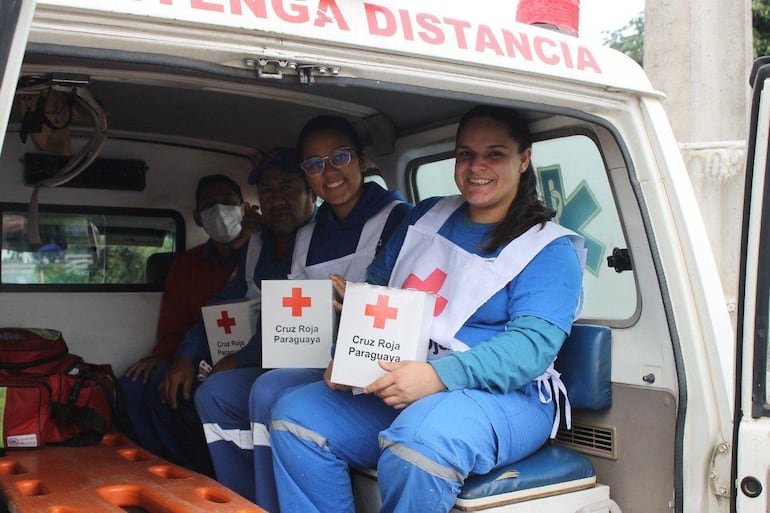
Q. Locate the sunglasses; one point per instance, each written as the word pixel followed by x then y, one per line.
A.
pixel 338 157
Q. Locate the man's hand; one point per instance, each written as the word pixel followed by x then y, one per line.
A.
pixel 227 363
pixel 405 383
pixel 181 373
pixel 143 368
pixel 251 223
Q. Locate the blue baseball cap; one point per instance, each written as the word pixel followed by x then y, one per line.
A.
pixel 284 159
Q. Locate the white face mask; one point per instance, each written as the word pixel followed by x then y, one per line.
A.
pixel 222 222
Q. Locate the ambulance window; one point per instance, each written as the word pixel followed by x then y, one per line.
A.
pixel 573 181
pixel 83 248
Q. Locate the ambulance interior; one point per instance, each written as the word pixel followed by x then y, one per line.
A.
pixel 170 121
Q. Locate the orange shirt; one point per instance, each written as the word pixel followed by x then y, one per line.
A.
pixel 193 277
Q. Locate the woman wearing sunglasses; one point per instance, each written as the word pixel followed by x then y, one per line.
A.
pixel 355 218
pixel 354 221
pixel 483 400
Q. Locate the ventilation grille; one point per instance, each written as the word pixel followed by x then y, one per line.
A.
pixel 593 440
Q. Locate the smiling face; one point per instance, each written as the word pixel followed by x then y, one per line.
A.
pixel 341 187
pixel 488 167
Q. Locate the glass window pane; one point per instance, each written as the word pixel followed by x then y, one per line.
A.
pixel 82 248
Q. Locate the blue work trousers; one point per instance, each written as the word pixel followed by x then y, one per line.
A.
pixel 422 453
pixel 234 407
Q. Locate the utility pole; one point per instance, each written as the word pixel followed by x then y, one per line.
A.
pixel 699 53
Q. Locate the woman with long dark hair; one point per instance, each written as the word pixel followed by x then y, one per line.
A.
pixel 511 290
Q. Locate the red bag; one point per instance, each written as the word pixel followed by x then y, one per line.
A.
pixel 48 395
pixel 33 351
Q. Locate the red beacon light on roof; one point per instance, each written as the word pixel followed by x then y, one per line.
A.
pixel 560 15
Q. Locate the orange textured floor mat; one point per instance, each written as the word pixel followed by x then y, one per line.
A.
pixel 111 477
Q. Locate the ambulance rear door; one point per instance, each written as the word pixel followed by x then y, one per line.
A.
pixel 751 451
pixel 15 20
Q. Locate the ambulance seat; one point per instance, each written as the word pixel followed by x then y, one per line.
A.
pixel 157 267
pixel 554 471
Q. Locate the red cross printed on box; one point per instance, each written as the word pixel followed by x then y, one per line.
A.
pixel 296 301
pixel 431 284
pixel 226 322
pixel 381 311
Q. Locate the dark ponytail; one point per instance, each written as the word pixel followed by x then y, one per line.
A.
pixel 526 210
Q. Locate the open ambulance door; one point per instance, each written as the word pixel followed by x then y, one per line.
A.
pixel 15 20
pixel 751 451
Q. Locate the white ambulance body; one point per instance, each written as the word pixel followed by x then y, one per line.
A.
pixel 193 87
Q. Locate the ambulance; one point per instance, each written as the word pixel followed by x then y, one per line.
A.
pixel 111 110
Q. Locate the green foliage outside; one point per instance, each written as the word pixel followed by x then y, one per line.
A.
pixel 760 10
pixel 630 38
pixel 111 264
pixel 115 264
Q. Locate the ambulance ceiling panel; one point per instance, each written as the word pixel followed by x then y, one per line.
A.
pixel 204 102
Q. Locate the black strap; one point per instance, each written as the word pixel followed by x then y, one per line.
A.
pixel 25 365
pixel 89 418
pixel 95 423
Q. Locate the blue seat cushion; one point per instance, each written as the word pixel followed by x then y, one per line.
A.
pixel 585 362
pixel 550 465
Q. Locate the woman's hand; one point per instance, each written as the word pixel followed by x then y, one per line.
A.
pixel 339 284
pixel 405 383
pixel 328 379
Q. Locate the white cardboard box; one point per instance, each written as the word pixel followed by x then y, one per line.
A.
pixel 380 323
pixel 229 326
pixel 297 323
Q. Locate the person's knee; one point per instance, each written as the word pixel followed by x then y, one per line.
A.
pixel 287 407
pixel 262 396
pixel 209 390
pixel 131 389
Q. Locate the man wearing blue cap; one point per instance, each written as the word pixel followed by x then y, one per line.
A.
pixel 286 203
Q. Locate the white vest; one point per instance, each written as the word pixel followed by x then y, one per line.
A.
pixel 353 266
pixel 429 262
pixel 432 263
pixel 252 257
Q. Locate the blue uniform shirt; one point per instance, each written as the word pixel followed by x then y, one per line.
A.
pixel 517 333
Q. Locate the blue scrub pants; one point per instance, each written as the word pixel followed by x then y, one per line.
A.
pixel 136 396
pixel 423 453
pixel 234 407
pixel 175 435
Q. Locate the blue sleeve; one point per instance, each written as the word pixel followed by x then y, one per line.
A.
pixel 549 286
pixel 398 215
pixel 542 301
pixel 195 345
pixel 383 263
pixel 507 361
pixel 250 355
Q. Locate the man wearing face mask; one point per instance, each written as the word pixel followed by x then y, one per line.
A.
pixel 193 277
pixel 286 203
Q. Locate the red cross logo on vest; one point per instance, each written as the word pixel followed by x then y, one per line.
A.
pixel 432 284
pixel 226 322
pixel 296 302
pixel 381 311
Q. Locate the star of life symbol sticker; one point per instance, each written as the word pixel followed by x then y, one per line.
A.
pixel 574 211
